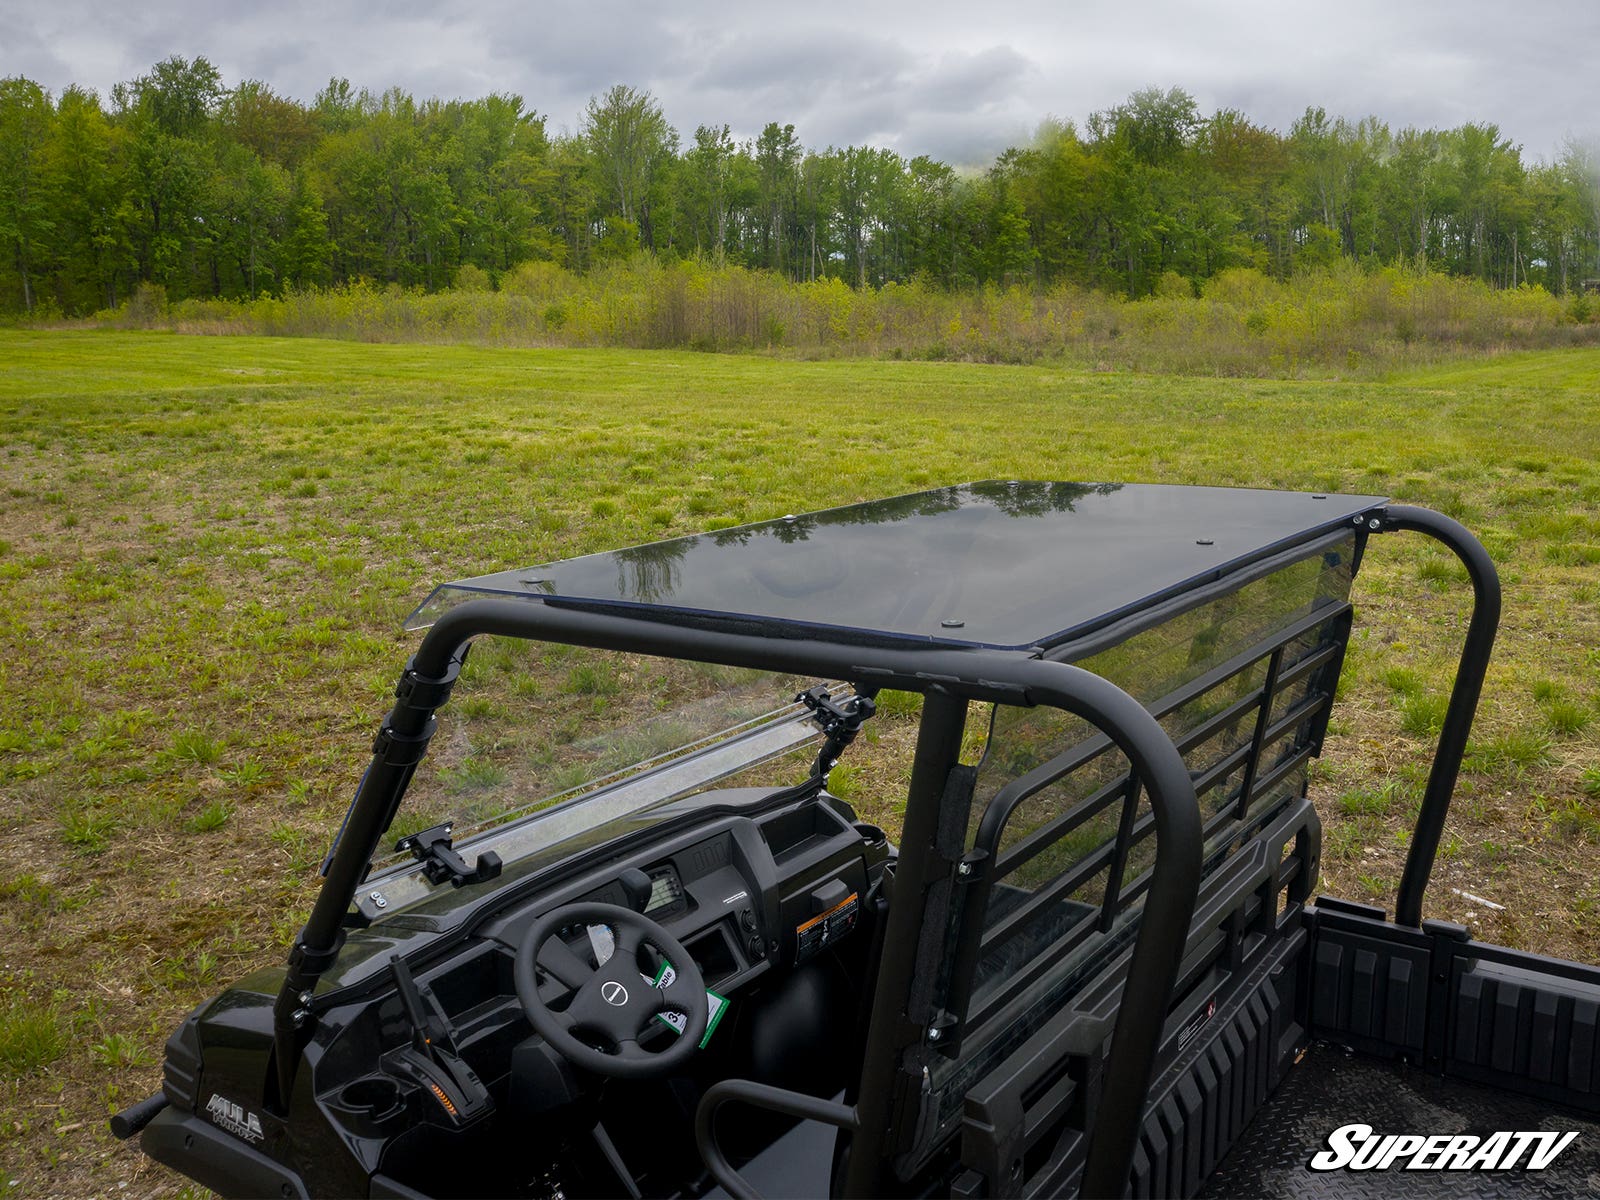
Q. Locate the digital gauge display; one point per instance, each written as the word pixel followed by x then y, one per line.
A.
pixel 665 890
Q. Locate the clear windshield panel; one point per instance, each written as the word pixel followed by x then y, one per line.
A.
pixel 542 743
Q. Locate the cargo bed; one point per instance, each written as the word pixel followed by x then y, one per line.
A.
pixel 1331 1086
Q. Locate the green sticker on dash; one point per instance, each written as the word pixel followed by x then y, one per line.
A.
pixel 717 1005
pixel 677 1022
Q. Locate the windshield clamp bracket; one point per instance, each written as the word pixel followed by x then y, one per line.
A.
pixel 420 691
pixel 440 862
pixel 399 749
pixel 840 721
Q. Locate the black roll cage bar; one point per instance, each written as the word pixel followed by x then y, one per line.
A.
pixel 949 678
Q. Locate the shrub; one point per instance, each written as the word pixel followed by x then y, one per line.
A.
pixel 1335 318
pixel 147 307
pixel 473 279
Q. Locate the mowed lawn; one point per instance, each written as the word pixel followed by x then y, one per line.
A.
pixel 207 547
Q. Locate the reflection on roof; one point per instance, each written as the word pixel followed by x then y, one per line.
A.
pixel 1000 564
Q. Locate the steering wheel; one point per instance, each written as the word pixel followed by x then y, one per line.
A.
pixel 613 1004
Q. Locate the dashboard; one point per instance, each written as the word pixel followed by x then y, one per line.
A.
pixel 744 895
pixel 766 890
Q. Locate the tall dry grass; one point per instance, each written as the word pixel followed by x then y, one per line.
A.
pixel 1339 320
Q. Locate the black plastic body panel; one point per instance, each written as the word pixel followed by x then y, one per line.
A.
pixel 1370 990
pixel 1229 1040
pixel 1516 1022
pixel 216 1160
pixel 1217 1083
pixel 1465 1009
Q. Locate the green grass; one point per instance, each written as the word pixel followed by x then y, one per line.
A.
pixel 120 1050
pixel 213 816
pixel 32 1036
pixel 1422 715
pixel 1567 717
pixel 1510 753
pixel 1402 680
pixel 1370 801
pixel 196 666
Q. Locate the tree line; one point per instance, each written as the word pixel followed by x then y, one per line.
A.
pixel 208 191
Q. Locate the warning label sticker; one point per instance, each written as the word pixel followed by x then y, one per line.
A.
pixel 821 931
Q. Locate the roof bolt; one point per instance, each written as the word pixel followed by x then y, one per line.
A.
pixel 933 1033
pixel 1204 542
pixel 1319 496
pixel 951 623
pixel 789 516
pixel 964 869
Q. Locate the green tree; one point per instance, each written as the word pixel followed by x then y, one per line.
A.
pixel 179 97
pixel 27 219
pixel 710 182
pixel 1488 216
pixel 933 227
pixel 630 142
pixel 88 171
pixel 1060 184
pixel 1337 167
pixel 493 156
pixel 1579 165
pixel 169 115
pixel 777 157
pixel 1246 168
pixel 574 203
pixel 306 254
pixel 249 218
pixel 339 108
pixel 1412 189
pixel 277 129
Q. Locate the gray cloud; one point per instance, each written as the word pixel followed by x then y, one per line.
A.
pixel 952 81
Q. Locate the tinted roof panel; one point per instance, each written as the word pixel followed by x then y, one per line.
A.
pixel 1003 564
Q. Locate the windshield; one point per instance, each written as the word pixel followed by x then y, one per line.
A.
pixel 544 744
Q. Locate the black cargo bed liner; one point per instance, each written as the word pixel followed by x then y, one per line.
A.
pixel 1331 1087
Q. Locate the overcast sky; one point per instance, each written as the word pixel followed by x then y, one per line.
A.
pixel 957 81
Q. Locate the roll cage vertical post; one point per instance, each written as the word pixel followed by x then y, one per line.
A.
pixel 401 742
pixel 1158 947
pixel 1464 695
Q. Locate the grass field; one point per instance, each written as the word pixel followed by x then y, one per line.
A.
pixel 207 547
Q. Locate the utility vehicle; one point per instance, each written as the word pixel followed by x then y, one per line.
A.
pixel 1088 961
